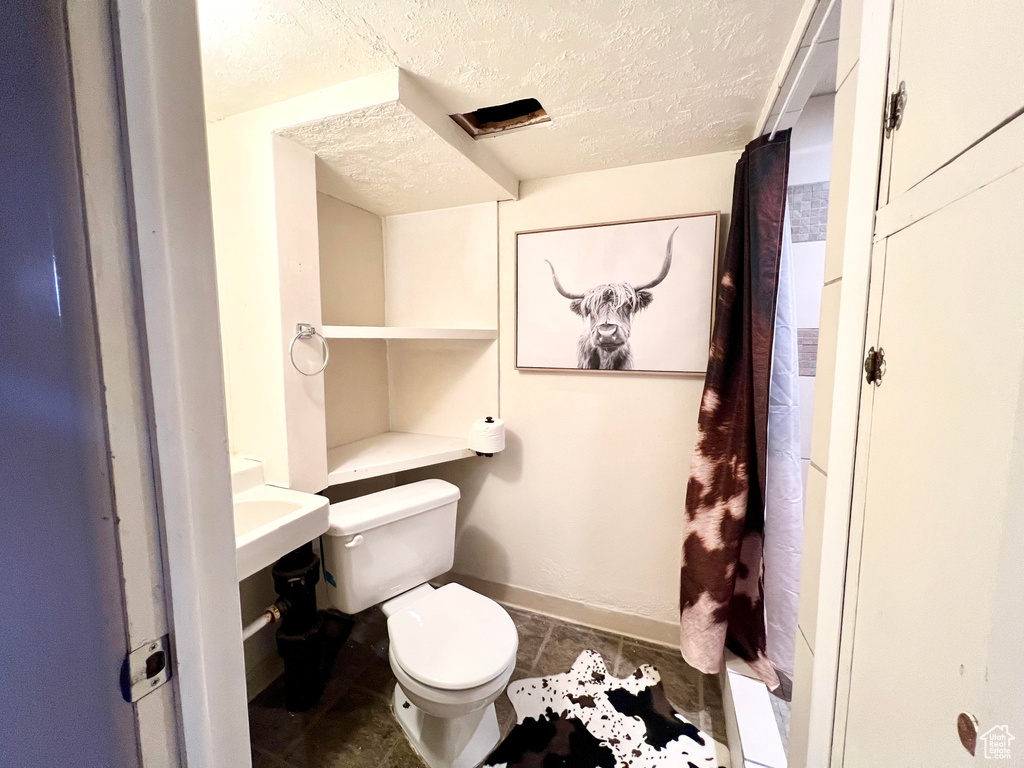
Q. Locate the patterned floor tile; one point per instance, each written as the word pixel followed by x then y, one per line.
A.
pixel 682 683
pixel 567 641
pixel 354 727
pixel 402 755
pixel 358 731
pixel 533 629
pixel 781 708
pixel 272 728
pixel 261 759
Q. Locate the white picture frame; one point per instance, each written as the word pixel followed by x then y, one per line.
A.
pixel 624 297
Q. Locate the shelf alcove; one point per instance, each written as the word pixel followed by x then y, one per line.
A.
pixel 363 210
pixel 409 308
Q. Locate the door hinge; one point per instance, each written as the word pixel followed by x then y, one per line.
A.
pixel 894 109
pixel 874 366
pixel 145 669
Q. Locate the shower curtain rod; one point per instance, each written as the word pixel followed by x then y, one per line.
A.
pixel 803 66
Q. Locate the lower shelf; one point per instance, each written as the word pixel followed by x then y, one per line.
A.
pixel 391 452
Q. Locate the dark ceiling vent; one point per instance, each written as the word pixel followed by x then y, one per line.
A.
pixel 488 121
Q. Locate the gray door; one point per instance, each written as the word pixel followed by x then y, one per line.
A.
pixel 62 635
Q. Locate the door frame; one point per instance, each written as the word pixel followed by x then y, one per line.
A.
pixel 122 364
pixel 164 129
pixel 155 71
pixel 830 680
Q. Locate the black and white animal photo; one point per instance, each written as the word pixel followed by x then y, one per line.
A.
pixel 587 718
pixel 633 296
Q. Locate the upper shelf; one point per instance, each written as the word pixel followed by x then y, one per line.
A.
pixel 394 332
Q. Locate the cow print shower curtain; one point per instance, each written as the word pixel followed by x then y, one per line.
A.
pixel 721 600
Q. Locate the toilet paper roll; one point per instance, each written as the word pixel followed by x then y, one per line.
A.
pixel 487 435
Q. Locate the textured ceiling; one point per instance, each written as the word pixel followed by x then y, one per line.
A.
pixel 385 159
pixel 625 82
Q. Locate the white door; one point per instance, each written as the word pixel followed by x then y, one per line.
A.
pixel 963 65
pixel 939 604
pixel 934 617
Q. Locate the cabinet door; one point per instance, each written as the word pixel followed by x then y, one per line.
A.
pixel 940 609
pixel 963 65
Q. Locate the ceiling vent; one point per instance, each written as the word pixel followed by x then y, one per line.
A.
pixel 488 121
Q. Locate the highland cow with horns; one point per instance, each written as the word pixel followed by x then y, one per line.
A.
pixel 610 308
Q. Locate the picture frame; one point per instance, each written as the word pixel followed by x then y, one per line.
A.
pixel 633 296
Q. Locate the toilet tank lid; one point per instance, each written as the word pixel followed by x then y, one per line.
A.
pixel 376 509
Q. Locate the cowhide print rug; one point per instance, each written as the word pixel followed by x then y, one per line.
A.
pixel 585 718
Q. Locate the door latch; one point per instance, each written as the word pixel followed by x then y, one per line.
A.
pixel 874 366
pixel 895 109
pixel 145 669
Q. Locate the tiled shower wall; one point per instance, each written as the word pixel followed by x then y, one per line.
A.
pixel 808 211
pixel 808 216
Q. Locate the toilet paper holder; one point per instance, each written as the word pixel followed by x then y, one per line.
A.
pixel 487 437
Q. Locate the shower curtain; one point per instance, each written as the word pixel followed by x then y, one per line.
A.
pixel 784 503
pixel 721 600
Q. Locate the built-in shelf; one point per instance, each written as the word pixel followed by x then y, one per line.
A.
pixel 393 332
pixel 391 452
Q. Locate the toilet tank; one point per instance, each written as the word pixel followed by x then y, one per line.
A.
pixel 386 543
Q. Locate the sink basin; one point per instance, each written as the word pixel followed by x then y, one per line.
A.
pixel 271 521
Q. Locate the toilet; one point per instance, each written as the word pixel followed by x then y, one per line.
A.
pixel 452 650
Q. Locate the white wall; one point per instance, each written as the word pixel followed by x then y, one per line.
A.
pixel 440 267
pixel 586 503
pixel 241 186
pixel 265 231
pixel 298 260
pixel 351 263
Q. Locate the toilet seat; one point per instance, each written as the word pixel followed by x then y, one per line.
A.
pixel 453 639
pixel 441 699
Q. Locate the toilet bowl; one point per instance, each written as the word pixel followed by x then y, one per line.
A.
pixel 452 650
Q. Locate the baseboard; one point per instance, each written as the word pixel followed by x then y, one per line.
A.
pixel 641 627
pixel 262 674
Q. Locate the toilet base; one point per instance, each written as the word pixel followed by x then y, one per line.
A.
pixel 448 742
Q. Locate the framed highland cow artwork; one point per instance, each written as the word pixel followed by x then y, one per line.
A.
pixel 631 296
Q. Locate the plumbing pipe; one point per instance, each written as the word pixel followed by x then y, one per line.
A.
pixel 269 616
pixel 300 640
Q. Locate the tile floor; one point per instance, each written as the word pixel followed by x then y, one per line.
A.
pixel 781 707
pixel 353 725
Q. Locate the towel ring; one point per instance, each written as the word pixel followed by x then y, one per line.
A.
pixel 303 331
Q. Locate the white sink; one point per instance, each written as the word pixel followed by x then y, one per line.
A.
pixel 270 522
